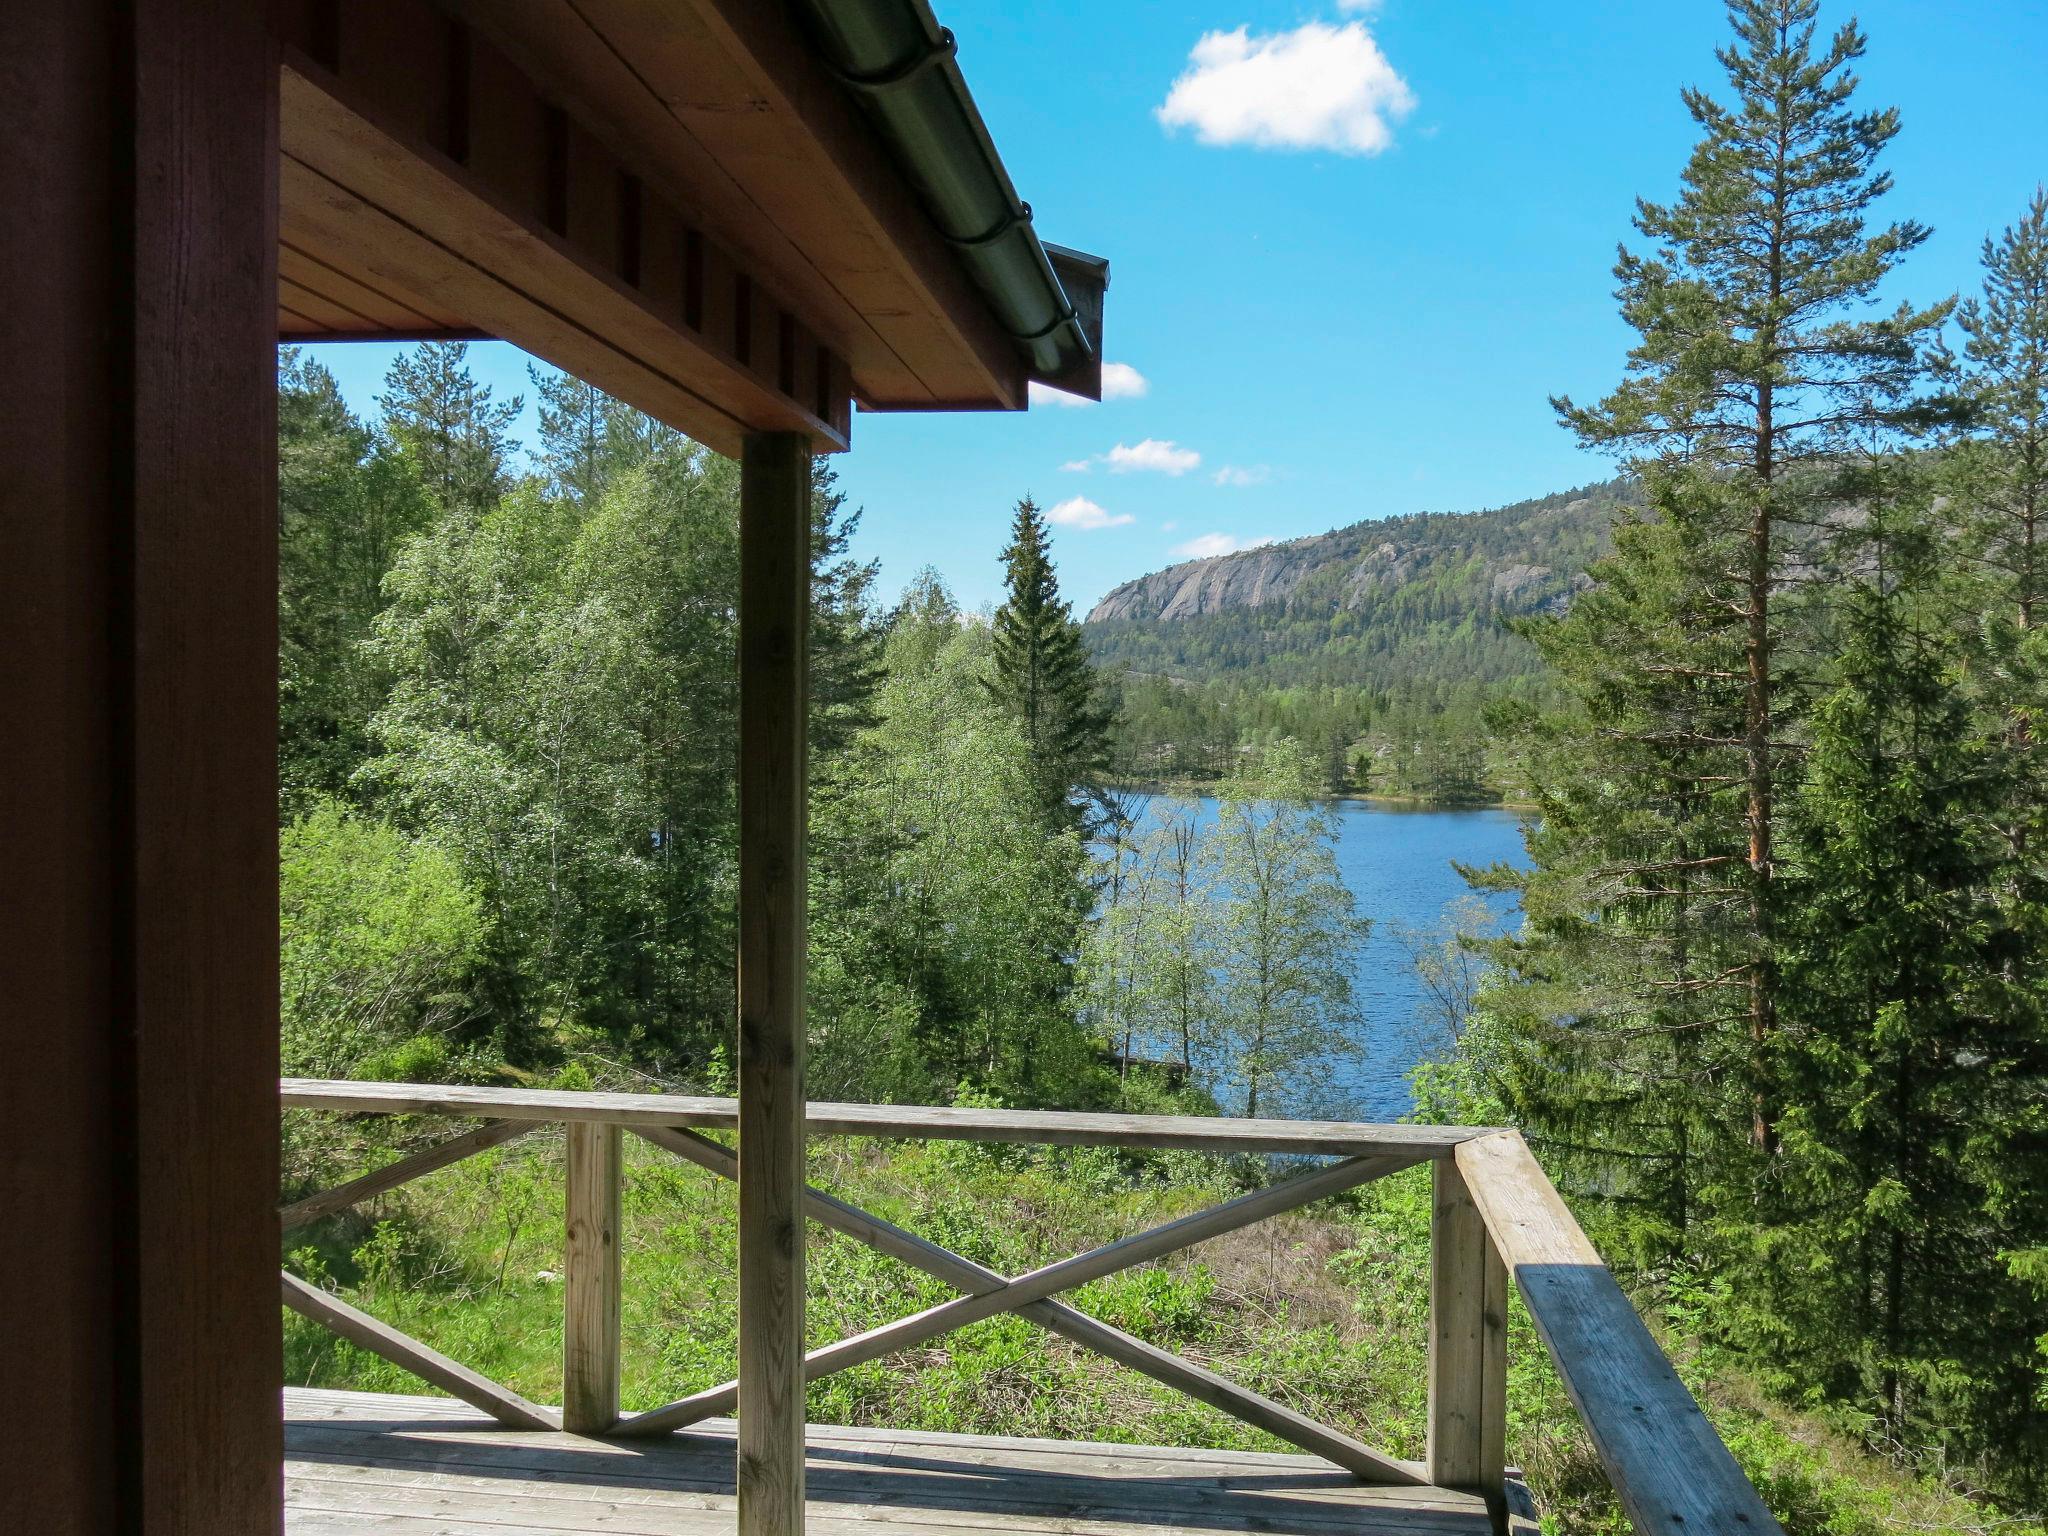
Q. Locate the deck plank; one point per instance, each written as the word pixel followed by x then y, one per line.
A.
pixel 423 1466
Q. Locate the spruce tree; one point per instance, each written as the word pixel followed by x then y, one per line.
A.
pixel 1756 372
pixel 1910 1165
pixel 1624 1001
pixel 1041 674
pixel 846 633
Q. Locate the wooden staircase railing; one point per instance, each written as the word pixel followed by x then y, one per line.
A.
pixel 1495 1218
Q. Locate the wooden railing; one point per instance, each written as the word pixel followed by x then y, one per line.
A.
pixel 1496 1218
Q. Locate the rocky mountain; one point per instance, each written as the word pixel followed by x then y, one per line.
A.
pixel 1397 598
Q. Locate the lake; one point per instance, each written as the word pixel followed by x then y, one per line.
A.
pixel 1396 861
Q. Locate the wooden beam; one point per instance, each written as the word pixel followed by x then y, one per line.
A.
pixel 1467 1346
pixel 1041 1127
pixel 403 1171
pixel 1034 1286
pixel 590 1282
pixel 775 581
pixel 430 125
pixel 755 107
pixel 408 1353
pixel 138 804
pixel 1672 1472
pixel 1077 1327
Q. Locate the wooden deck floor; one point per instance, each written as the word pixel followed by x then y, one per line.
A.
pixel 428 1466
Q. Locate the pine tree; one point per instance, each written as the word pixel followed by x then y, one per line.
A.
pixel 2006 384
pixel 1998 476
pixel 345 502
pixel 588 439
pixel 1754 375
pixel 1998 484
pixel 1040 672
pixel 455 435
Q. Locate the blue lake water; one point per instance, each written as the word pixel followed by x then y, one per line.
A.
pixel 1397 863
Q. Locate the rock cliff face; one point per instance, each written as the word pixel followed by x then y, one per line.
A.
pixel 1422 598
pixel 1531 550
pixel 1250 578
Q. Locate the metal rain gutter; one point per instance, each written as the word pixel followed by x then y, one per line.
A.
pixel 899 62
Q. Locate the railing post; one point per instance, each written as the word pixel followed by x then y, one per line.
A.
pixel 590 1282
pixel 1467 1346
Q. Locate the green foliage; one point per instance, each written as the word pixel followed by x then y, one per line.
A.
pixel 562 716
pixel 1379 646
pixel 1039 672
pixel 345 501
pixel 378 933
pixel 1230 945
pixel 943 909
pixel 2002 469
pixel 1285 934
pixel 447 428
pixel 1914 1022
pixel 1775 1018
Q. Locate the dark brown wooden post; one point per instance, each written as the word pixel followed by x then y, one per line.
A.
pixel 775 533
pixel 138 799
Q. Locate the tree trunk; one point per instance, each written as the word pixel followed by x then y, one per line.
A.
pixel 1757 771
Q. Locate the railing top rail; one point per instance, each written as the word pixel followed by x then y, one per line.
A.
pixel 1332 1138
pixel 1663 1456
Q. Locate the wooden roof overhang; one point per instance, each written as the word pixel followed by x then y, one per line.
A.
pixel 679 203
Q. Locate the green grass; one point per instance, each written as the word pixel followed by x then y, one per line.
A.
pixel 1325 1309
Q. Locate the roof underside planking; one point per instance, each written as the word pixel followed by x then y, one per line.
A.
pixel 681 203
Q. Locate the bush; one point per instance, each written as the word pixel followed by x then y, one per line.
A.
pixel 380 933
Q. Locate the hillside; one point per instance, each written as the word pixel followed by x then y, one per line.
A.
pixel 1380 604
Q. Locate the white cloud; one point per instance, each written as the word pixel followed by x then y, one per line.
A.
pixel 1080 512
pixel 1316 87
pixel 1075 466
pixel 1161 454
pixel 1359 7
pixel 1120 381
pixel 1242 474
pixel 1207 546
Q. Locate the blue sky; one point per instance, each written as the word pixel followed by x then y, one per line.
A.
pixel 1365 318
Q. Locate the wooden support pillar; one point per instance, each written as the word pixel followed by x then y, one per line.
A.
pixel 139 1345
pixel 1467 1346
pixel 590 1281
pixel 775 540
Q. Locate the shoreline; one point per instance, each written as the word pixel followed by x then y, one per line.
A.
pixel 1206 789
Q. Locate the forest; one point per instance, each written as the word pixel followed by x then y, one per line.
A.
pixel 1775 1014
pixel 507 749
pixel 1380 646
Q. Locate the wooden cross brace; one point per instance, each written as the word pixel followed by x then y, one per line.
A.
pixel 987 1293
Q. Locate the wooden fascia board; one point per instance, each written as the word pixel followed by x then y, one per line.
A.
pixel 841 156
pixel 559 44
pixel 432 227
